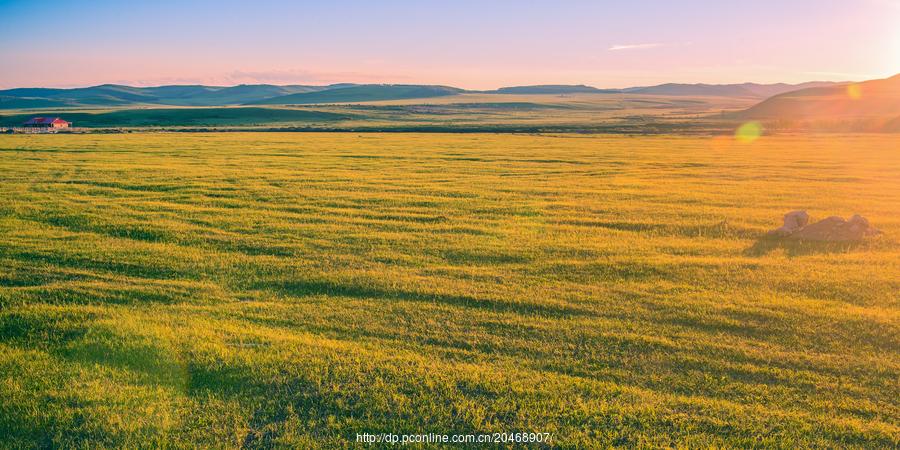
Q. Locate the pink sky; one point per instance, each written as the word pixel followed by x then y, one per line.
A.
pixel 463 43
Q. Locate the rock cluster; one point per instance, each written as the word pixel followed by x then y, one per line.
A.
pixel 833 229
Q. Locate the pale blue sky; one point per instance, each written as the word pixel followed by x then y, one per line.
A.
pixel 473 44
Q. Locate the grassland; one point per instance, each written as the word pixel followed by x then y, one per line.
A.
pixel 464 112
pixel 184 117
pixel 234 289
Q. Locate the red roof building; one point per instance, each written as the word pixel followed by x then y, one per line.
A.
pixel 46 122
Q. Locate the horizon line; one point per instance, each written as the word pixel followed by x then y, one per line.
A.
pixel 148 86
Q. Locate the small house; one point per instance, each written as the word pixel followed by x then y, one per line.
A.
pixel 46 122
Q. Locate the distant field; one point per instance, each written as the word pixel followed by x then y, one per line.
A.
pixel 262 289
pixel 464 112
pixel 183 117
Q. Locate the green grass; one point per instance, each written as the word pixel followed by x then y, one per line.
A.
pixel 241 289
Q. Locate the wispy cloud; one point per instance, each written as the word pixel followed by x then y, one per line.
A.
pixel 619 47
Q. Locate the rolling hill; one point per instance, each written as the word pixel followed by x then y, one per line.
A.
pixel 112 95
pixel 875 98
pixel 246 93
pixel 118 95
pixel 362 93
pixel 13 102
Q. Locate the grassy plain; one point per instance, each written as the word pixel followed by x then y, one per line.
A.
pixel 486 112
pixel 268 289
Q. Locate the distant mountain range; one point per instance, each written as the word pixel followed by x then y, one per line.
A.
pixel 110 95
pixel 726 90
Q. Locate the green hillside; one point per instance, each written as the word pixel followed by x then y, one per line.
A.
pixel 11 102
pixel 363 93
pixel 116 95
pixel 244 93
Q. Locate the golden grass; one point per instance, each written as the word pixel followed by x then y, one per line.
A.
pixel 296 289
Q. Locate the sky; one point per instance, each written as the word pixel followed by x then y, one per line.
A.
pixel 470 44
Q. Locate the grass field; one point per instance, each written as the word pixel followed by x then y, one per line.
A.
pixel 297 289
pixel 184 117
pixel 484 112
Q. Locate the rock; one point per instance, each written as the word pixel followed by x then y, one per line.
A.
pixel 793 222
pixel 859 223
pixel 833 229
pixel 836 229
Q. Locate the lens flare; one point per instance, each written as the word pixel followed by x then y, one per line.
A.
pixel 748 132
pixel 854 91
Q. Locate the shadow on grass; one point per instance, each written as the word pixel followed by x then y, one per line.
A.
pixel 79 338
pixel 304 288
pixel 768 244
pixel 136 269
pixel 34 331
pixel 329 404
pixel 717 230
pixel 63 405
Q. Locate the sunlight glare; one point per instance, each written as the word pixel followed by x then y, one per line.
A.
pixel 749 132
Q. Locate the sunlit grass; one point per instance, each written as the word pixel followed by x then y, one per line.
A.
pixel 261 289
